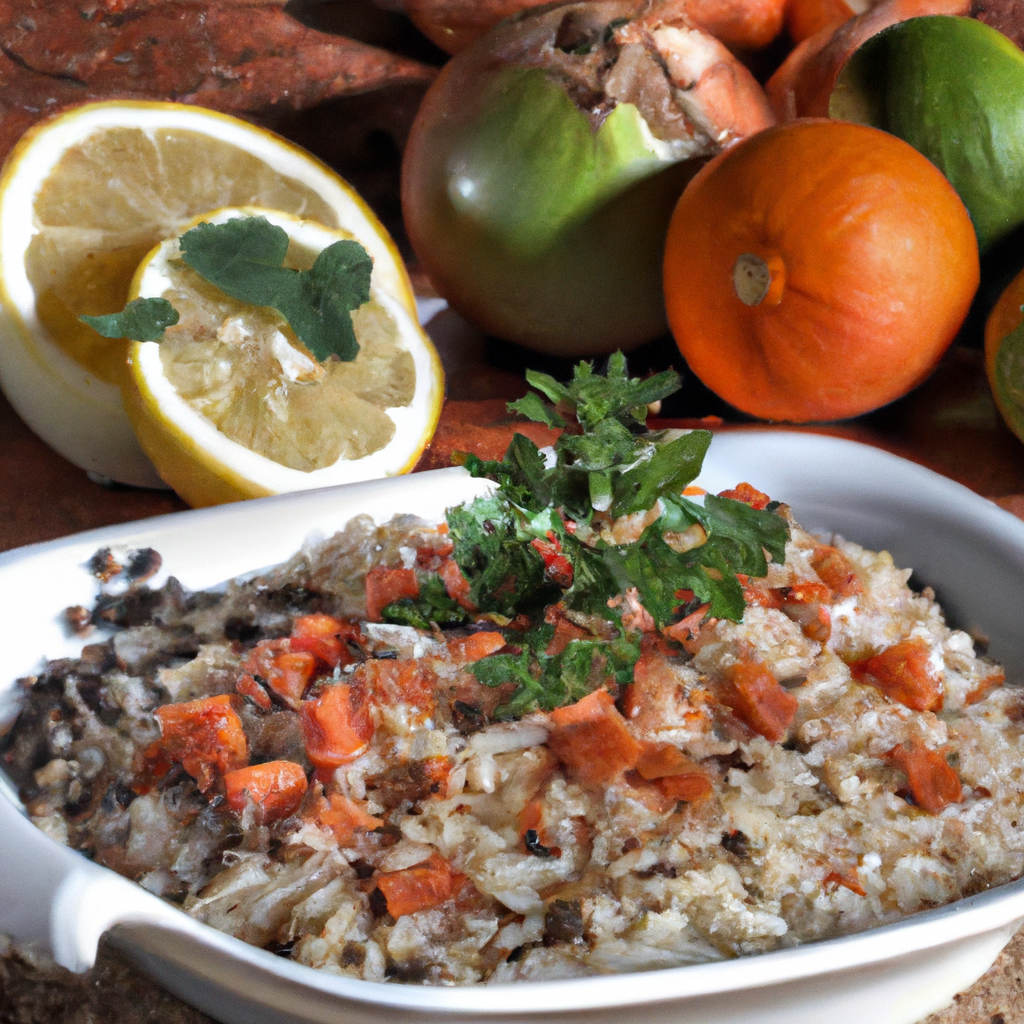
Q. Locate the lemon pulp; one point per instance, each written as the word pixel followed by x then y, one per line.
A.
pixel 242 367
pixel 114 195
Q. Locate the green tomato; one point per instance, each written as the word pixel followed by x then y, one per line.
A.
pixel 954 89
pixel 538 204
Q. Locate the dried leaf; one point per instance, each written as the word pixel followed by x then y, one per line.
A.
pixel 249 58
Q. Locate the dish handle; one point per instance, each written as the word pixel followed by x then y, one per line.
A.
pixel 53 897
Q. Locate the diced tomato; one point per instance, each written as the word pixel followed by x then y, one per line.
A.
pixel 401 681
pixel 747 494
pixel 456 584
pixel 466 649
pixel 428 558
pixel 677 775
pixel 758 700
pixel 836 571
pixel 248 687
pixel 806 604
pixel 591 739
pixel 565 633
pixel 205 736
pixel 557 567
pixel 336 726
pixel 420 887
pixel 436 771
pixel 932 782
pixel 345 817
pixel 325 638
pixel 904 673
pixel 275 788
pixel 847 879
pixel 385 586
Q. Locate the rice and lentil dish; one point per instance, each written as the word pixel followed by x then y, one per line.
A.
pixel 615 792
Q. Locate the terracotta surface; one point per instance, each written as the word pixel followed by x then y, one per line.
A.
pixel 950 424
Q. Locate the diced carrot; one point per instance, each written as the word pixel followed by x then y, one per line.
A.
pixel 275 788
pixel 248 687
pixel 420 887
pixel 806 604
pixel 335 726
pixel 456 584
pixel 848 879
pixel 904 673
pixel 693 491
pixel 687 629
pixel 759 594
pixel 285 672
pixel 994 679
pixel 531 819
pixel 466 649
pixel 676 775
pixel 932 782
pixel 565 633
pixel 205 736
pixel 747 494
pixel 836 571
pixel 757 699
pixel 325 638
pixel 806 592
pixel 401 681
pixel 345 817
pixel 293 672
pixel 689 788
pixel 385 586
pixel 591 739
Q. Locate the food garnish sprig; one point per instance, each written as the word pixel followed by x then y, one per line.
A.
pixel 596 540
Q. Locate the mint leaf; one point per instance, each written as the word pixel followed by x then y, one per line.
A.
pixel 243 257
pixel 140 320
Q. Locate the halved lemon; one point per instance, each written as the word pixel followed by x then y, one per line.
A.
pixel 231 405
pixel 83 197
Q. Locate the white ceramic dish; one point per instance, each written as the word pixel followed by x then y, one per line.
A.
pixel 969 550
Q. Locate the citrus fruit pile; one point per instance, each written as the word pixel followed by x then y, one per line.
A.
pixel 84 198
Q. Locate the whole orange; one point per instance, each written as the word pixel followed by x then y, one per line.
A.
pixel 817 270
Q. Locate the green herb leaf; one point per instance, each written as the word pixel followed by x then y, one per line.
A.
pixel 504 572
pixel 532 408
pixel 244 256
pixel 605 467
pixel 433 605
pixel 140 320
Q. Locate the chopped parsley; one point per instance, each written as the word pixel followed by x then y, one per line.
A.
pixel 544 541
pixel 244 258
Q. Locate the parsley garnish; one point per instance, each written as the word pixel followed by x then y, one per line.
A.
pixel 543 539
pixel 244 258
pixel 140 320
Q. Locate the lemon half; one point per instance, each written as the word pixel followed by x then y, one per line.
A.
pixel 231 405
pixel 83 198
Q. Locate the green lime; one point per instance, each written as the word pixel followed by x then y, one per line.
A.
pixel 954 89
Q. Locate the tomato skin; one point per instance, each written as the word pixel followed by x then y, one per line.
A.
pixel 492 150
